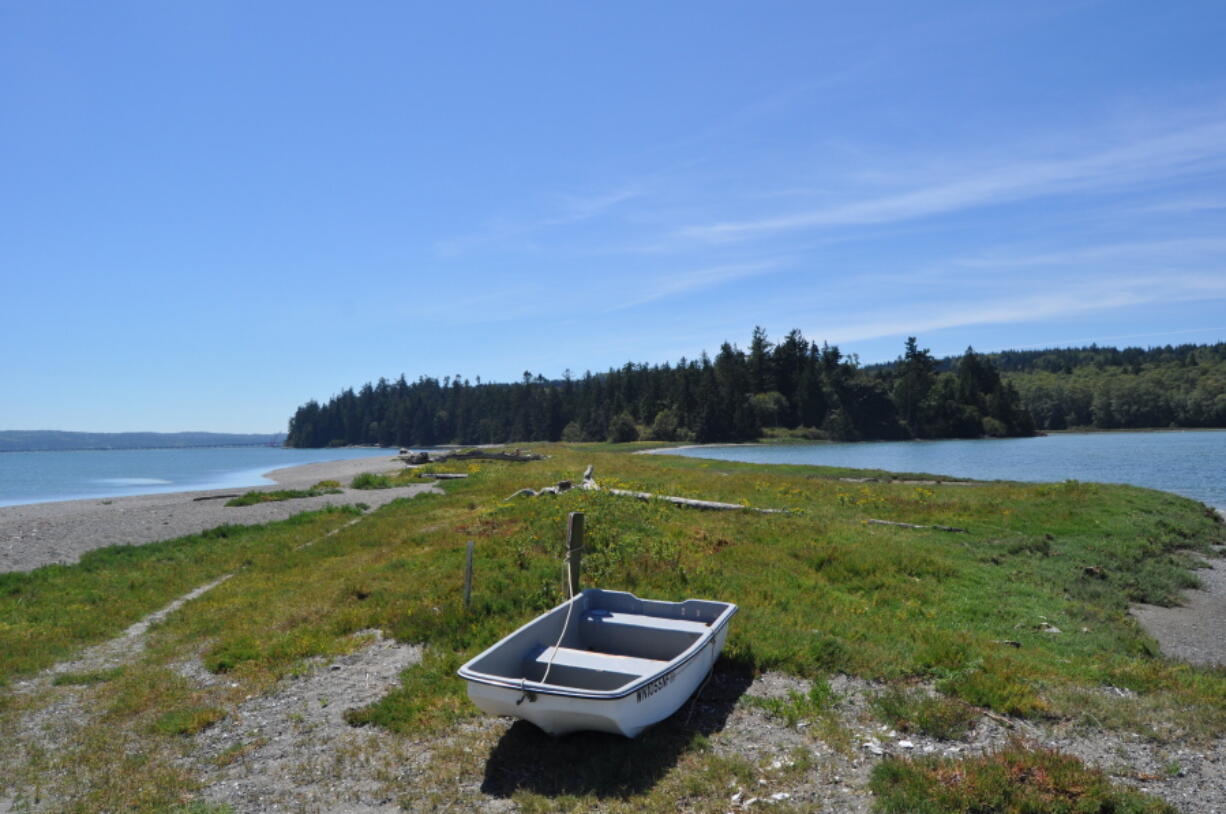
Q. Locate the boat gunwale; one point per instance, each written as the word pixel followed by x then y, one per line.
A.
pixel 719 623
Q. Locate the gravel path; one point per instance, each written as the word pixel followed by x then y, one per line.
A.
pixel 1196 630
pixel 293 750
pixel 39 534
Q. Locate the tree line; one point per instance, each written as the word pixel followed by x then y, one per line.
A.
pixel 794 385
pixel 1109 388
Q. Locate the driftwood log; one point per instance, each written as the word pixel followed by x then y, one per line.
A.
pixel 914 526
pixel 911 481
pixel 589 483
pixel 442 475
pixel 518 455
pixel 491 455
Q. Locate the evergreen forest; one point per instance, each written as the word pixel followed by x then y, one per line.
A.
pixel 793 387
pixel 1109 388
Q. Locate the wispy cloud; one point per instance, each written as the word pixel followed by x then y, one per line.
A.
pixel 675 160
pixel 1153 251
pixel 576 208
pixel 564 209
pixel 1155 158
pixel 1071 301
pixel 1183 206
pixel 689 282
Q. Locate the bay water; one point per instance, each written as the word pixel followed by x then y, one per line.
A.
pixel 38 477
pixel 1186 462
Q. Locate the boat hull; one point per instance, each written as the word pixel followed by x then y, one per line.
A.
pixel 629 715
pixel 604 661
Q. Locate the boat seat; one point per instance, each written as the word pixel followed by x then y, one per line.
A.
pixel 604 617
pixel 600 662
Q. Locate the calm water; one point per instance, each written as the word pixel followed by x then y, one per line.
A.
pixel 1188 463
pixel 36 477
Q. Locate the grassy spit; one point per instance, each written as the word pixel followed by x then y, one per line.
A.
pixel 324 487
pixel 821 592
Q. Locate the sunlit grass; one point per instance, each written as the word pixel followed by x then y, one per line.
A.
pixel 820 591
pixel 49 613
pixel 255 497
pixel 371 480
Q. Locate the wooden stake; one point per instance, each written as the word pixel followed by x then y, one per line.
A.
pixel 468 577
pixel 574 549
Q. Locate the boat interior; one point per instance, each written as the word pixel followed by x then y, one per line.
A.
pixel 611 639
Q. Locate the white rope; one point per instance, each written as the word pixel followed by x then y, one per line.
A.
pixel 570 606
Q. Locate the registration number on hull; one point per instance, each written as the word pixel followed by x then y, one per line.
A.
pixel 648 690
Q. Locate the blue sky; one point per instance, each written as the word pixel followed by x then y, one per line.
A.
pixel 212 212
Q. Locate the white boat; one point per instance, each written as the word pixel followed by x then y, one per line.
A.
pixel 604 660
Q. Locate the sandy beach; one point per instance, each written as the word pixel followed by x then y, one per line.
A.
pixel 38 534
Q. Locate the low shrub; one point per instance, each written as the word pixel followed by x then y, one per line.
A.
pixel 255 497
pixel 369 480
pixel 1014 780
pixel 798 707
pixel 997 686
pixel 188 721
pixel 917 711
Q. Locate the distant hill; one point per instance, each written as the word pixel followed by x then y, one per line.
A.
pixel 56 440
pixel 1112 388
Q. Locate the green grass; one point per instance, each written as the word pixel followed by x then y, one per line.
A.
pixel 86 678
pixel 256 497
pixel 913 710
pixel 188 721
pixel 48 614
pixel 201 807
pixel 1015 780
pixel 370 480
pixel 797 707
pixel 820 591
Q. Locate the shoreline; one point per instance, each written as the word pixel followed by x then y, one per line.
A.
pixel 240 474
pixel 37 534
pixel 782 442
pixel 1185 632
pixel 1178 479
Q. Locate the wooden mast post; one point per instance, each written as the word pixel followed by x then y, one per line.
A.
pixel 574 550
